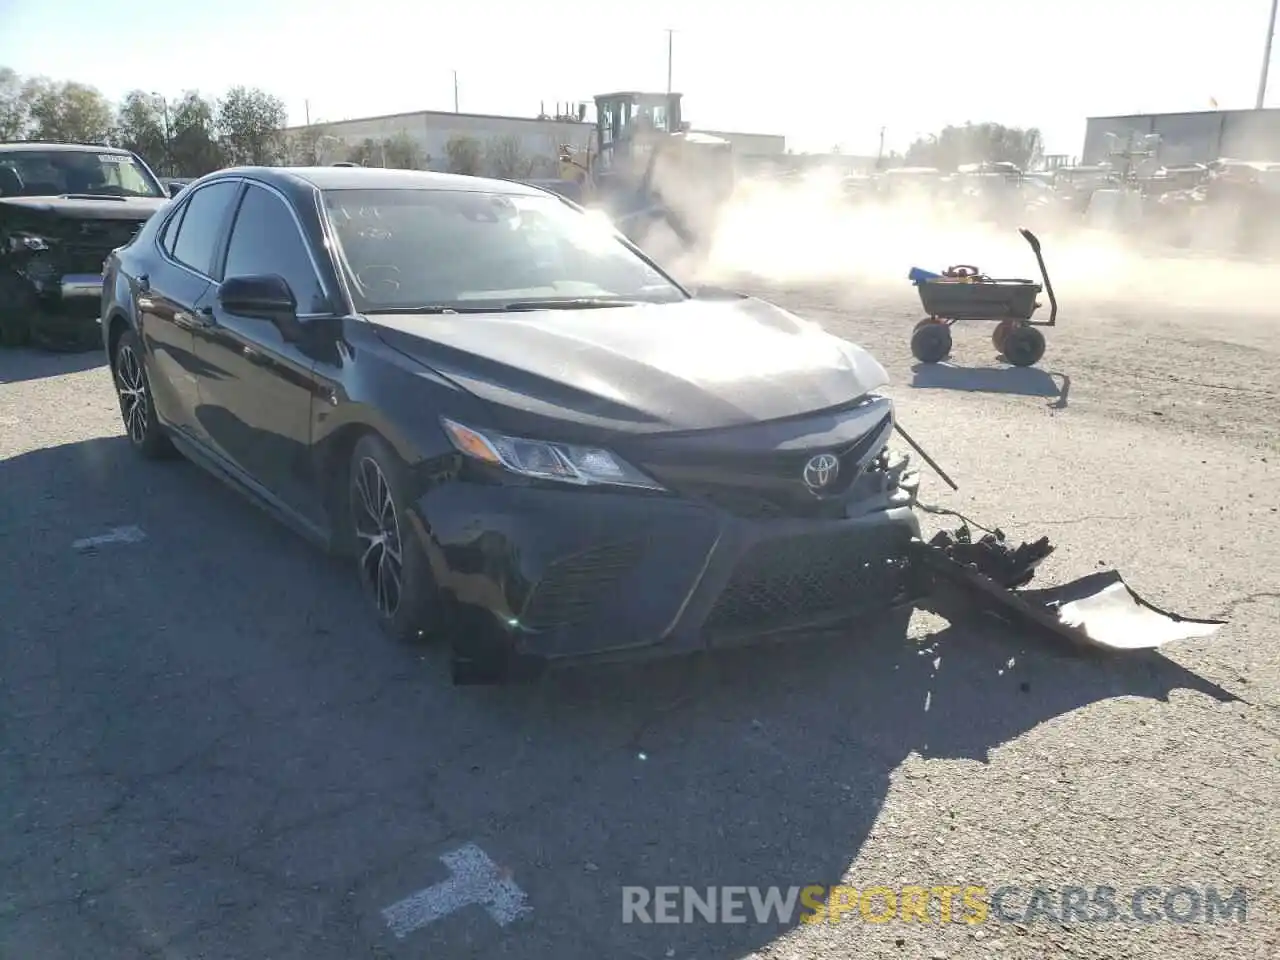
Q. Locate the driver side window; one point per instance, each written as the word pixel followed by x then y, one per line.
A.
pixel 265 240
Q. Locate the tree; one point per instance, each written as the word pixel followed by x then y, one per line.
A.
pixel 506 159
pixel 250 121
pixel 141 127
pixel 193 146
pixel 68 111
pixel 402 152
pixel 313 146
pixel 14 112
pixel 465 155
pixel 977 143
pixel 366 153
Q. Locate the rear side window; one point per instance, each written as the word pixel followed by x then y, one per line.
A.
pixel 266 240
pixel 197 235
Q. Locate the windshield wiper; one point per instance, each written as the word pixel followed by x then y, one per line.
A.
pixel 431 308
pixel 92 196
pixel 574 303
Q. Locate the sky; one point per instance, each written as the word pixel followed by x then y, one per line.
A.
pixel 821 72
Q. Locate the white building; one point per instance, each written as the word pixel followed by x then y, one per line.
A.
pixel 538 140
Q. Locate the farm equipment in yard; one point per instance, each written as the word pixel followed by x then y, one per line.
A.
pixel 644 166
pixel 965 293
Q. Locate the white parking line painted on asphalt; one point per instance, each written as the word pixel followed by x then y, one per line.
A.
pixel 130 534
pixel 474 880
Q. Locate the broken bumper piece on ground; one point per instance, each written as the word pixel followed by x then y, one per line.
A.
pixel 1099 610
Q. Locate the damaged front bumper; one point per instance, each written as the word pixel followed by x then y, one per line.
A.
pixel 1098 611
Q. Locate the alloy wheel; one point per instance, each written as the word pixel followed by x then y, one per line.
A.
pixel 135 401
pixel 377 529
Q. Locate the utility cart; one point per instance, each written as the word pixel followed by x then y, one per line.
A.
pixel 965 293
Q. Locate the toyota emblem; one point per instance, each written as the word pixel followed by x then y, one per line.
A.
pixel 821 471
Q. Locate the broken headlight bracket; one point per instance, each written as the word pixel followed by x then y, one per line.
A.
pixel 1098 611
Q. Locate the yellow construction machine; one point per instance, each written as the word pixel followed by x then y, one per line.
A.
pixel 644 166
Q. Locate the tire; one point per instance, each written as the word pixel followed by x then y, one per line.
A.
pixel 1024 346
pixel 137 410
pixel 1001 333
pixel 931 342
pixel 397 583
pixel 16 307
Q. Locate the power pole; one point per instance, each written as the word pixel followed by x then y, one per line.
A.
pixel 880 151
pixel 455 91
pixel 1266 56
pixel 306 109
pixel 670 34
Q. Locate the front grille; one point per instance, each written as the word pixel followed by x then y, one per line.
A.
pixel 572 586
pixel 772 486
pixel 90 242
pixel 808 577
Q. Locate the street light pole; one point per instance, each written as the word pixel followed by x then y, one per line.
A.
pixel 168 139
pixel 1266 56
pixel 670 35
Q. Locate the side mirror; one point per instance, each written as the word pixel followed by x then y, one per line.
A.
pixel 174 188
pixel 265 297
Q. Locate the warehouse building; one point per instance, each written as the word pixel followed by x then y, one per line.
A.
pixel 534 139
pixel 1189 137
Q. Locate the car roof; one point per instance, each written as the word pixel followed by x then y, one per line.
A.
pixel 376 178
pixel 53 146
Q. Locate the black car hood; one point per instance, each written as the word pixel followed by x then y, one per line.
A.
pixel 692 365
pixel 78 208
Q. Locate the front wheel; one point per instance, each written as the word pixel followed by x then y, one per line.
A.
pixel 931 343
pixel 1024 346
pixel 16 308
pixel 393 568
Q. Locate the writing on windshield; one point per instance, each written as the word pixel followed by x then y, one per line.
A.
pixel 406 248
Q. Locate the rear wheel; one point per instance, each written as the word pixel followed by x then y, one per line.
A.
pixel 133 391
pixel 1001 333
pixel 392 566
pixel 931 342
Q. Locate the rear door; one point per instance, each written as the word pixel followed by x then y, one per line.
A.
pixel 172 294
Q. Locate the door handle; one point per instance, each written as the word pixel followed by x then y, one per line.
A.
pixel 204 317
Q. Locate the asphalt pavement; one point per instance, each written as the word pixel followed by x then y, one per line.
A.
pixel 207 752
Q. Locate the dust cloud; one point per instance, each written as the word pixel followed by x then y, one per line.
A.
pixel 808 231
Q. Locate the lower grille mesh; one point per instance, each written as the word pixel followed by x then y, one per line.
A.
pixel 572 586
pixel 806 577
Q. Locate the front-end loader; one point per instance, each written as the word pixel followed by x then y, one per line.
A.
pixel 644 167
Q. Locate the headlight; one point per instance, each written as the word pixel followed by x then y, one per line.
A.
pixel 585 466
pixel 27 242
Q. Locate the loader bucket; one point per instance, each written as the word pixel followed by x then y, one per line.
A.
pixel 1097 611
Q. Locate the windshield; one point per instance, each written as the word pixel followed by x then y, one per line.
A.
pixel 406 249
pixel 55 173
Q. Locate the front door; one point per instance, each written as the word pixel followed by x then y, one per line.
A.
pixel 256 386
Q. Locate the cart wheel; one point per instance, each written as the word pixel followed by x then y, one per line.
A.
pixel 931 342
pixel 1024 346
pixel 924 323
pixel 1001 333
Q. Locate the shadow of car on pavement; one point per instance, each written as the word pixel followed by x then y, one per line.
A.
pixel 223 659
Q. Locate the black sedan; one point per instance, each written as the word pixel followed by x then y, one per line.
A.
pixel 530 438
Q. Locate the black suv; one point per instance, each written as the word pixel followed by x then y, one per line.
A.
pixel 63 208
